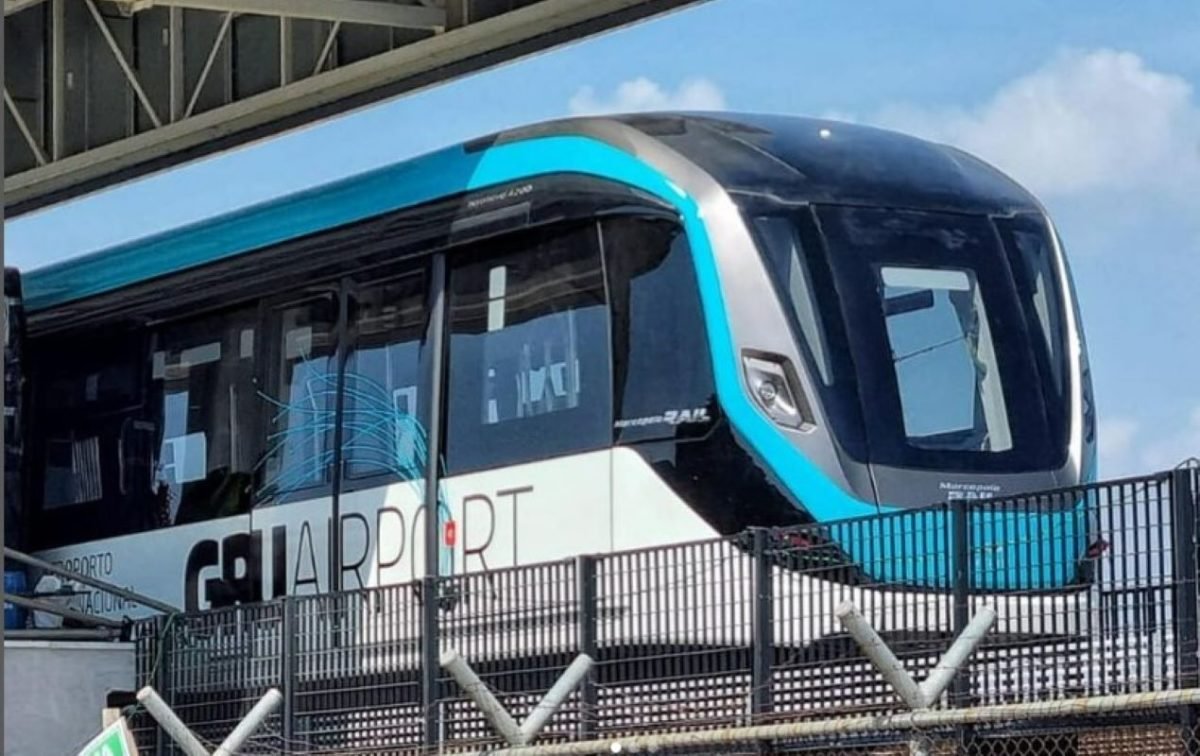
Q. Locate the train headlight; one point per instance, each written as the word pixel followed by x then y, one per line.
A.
pixel 768 392
pixel 774 386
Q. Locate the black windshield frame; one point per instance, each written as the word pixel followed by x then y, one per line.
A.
pixel 867 414
pixel 836 383
pixel 1048 330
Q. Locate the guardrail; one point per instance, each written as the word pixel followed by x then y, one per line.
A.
pixel 88 626
pixel 728 632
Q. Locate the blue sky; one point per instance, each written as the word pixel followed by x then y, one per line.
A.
pixel 1093 105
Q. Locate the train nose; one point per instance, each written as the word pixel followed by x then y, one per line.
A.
pixel 1016 540
pixel 907 488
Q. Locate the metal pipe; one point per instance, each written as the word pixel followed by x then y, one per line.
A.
pixel 175 67
pixel 58 78
pixel 501 721
pixel 951 662
pixel 137 598
pixel 435 337
pixel 61 634
pixel 268 703
pixel 208 64
pixel 914 720
pixel 38 154
pixel 342 354
pixel 62 611
pixel 327 47
pixel 178 731
pixel 567 682
pixel 285 51
pixel 880 655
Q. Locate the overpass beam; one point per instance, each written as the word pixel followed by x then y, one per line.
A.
pixel 346 11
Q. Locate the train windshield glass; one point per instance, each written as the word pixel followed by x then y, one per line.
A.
pixel 944 359
pixel 948 337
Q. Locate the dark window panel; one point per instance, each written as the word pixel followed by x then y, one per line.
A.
pixel 529 369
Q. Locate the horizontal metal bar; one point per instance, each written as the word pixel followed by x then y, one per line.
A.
pixel 62 634
pixel 61 611
pixel 346 11
pixel 137 598
pixel 916 720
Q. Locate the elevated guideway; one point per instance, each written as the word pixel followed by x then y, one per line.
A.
pixel 97 92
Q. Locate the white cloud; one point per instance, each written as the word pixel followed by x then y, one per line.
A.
pixel 1126 448
pixel 642 94
pixel 1100 120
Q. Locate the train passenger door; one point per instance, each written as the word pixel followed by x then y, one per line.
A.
pixel 528 398
pixel 380 316
pixel 671 476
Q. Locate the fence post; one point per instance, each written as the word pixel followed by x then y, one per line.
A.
pixel 1187 647
pixel 763 648
pixel 287 669
pixel 960 586
pixel 161 678
pixel 585 576
pixel 430 667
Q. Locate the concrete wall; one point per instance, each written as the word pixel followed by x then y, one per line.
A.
pixel 55 691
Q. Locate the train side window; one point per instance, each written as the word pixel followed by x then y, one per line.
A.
pixel 202 380
pixel 300 398
pixel 529 370
pixel 385 416
pixel 89 420
pixel 662 370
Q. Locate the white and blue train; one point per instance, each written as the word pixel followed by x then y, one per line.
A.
pixel 658 328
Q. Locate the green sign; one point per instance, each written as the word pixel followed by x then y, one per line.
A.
pixel 114 741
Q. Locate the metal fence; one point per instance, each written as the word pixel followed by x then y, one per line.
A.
pixel 1094 588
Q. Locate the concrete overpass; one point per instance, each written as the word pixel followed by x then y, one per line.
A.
pixel 97 92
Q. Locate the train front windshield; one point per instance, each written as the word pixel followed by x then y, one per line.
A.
pixel 937 339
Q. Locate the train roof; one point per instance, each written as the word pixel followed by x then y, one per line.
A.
pixel 825 161
pixel 791 158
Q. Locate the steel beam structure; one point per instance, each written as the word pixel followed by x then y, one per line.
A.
pixel 99 92
pixel 347 11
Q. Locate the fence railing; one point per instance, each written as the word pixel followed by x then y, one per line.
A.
pixel 1094 589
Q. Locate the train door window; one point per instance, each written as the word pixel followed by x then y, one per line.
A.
pixel 202 378
pixel 300 398
pixel 529 371
pixel 662 374
pixel 385 418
